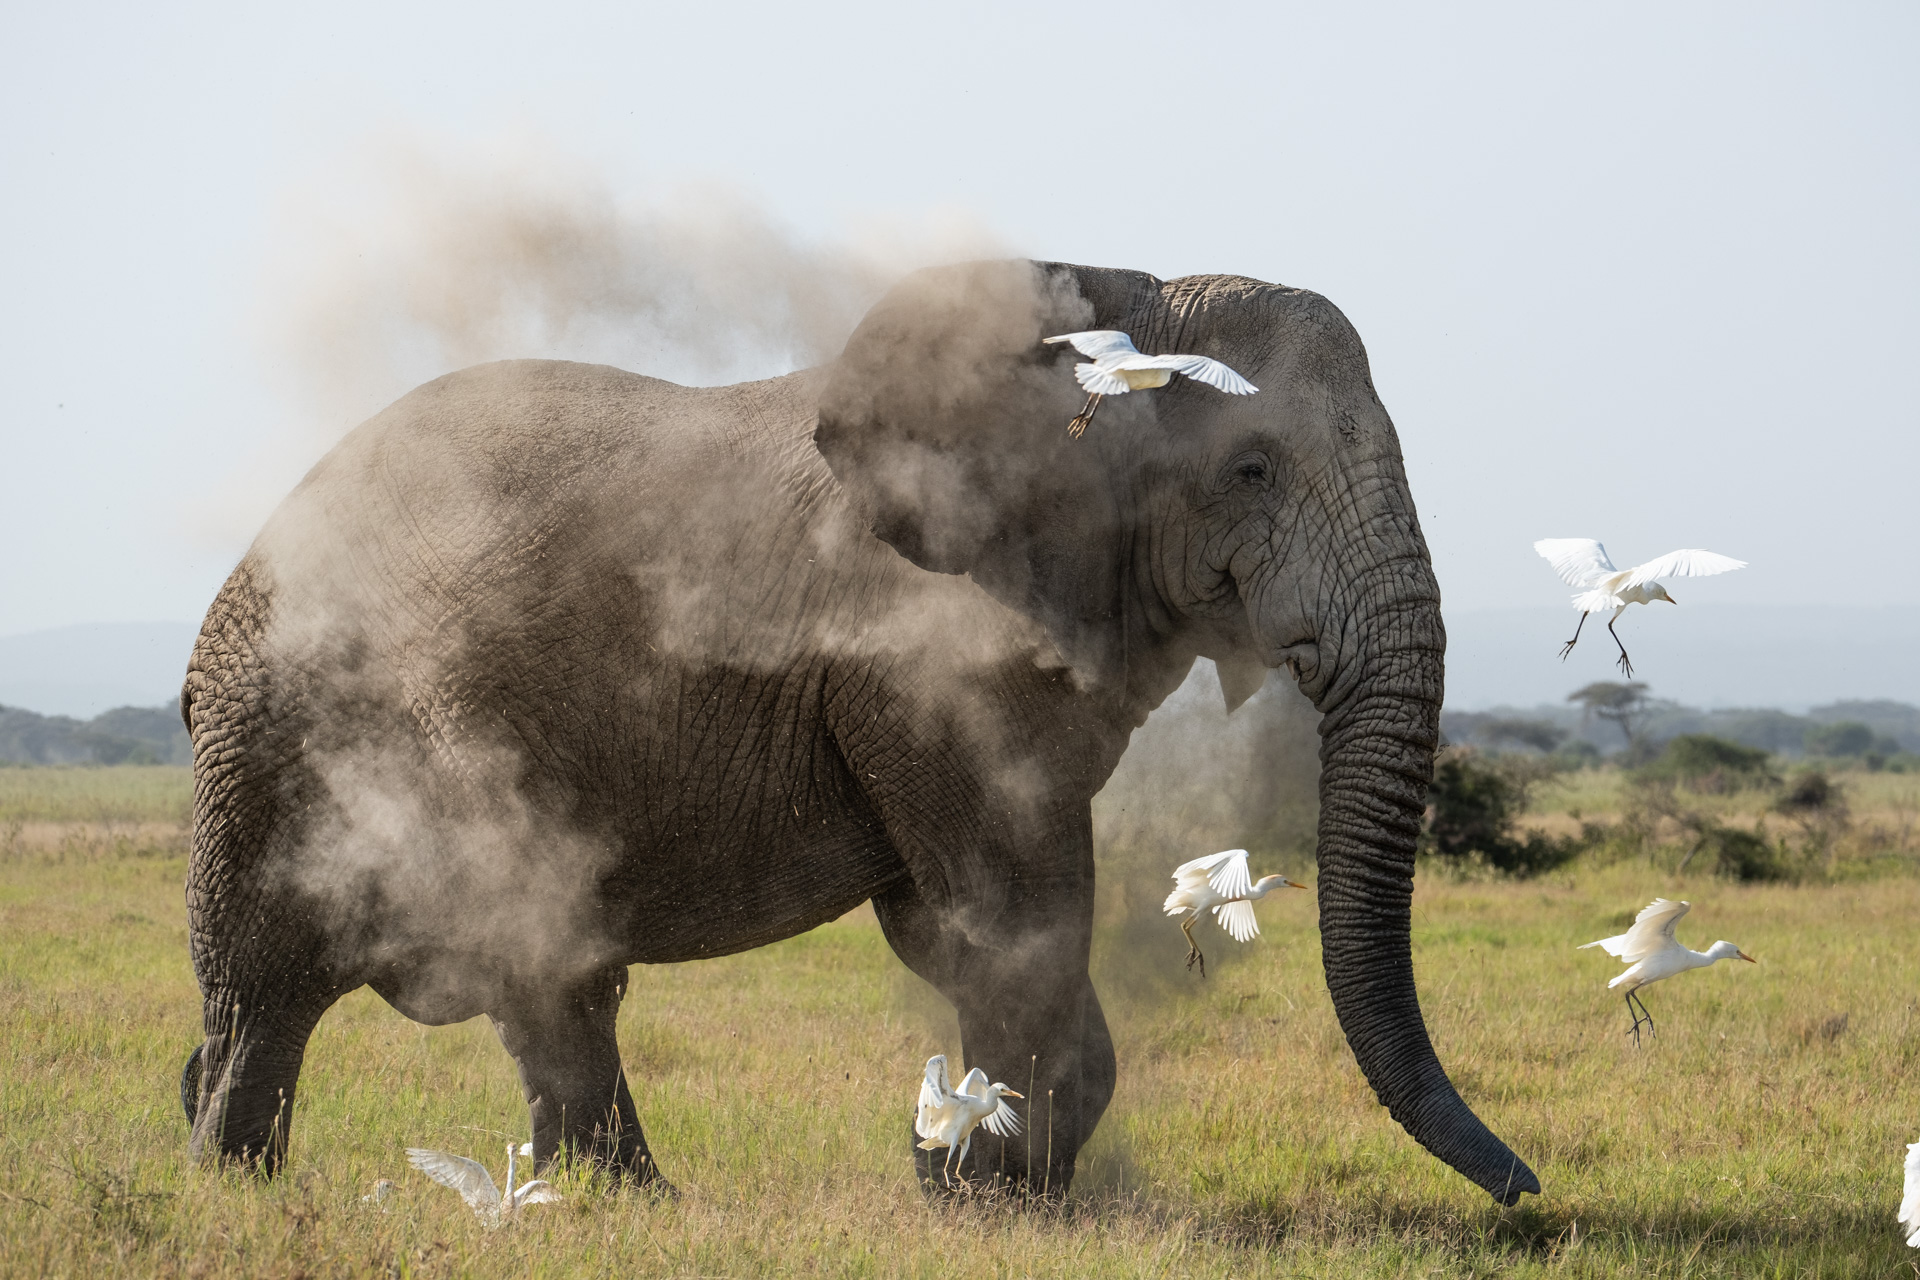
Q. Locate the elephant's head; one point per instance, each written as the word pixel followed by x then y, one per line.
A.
pixel 1267 530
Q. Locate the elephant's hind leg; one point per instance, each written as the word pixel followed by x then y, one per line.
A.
pixel 562 1039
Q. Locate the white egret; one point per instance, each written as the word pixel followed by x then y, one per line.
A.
pixel 946 1117
pixel 1219 883
pixel 475 1185
pixel 1910 1202
pixel 1651 953
pixel 1582 562
pixel 1119 367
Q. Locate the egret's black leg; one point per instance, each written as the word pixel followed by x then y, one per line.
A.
pixel 1648 1017
pixel 1626 666
pixel 1084 419
pixel 1634 1030
pixel 1567 648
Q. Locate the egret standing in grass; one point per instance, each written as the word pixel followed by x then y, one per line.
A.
pixel 1219 883
pixel 475 1185
pixel 1651 953
pixel 946 1117
pixel 1582 562
pixel 1119 367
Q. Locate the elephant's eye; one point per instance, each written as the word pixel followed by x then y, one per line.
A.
pixel 1254 472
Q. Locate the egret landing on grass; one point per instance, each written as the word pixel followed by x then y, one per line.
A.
pixel 1910 1202
pixel 946 1117
pixel 1119 367
pixel 1219 883
pixel 475 1185
pixel 1651 953
pixel 1582 562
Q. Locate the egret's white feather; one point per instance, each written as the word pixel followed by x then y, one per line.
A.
pixel 1004 1122
pixel 1598 600
pixel 1228 873
pixel 1652 931
pixel 1238 920
pixel 1689 563
pixel 1095 343
pixel 469 1177
pixel 934 1095
pixel 1580 562
pixel 1910 1202
pixel 539 1191
pixel 1100 381
pixel 1211 372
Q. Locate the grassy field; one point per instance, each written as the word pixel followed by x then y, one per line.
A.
pixel 1760 1135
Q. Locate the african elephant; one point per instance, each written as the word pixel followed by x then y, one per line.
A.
pixel 550 669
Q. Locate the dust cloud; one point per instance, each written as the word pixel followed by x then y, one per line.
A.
pixel 1196 780
pixel 443 257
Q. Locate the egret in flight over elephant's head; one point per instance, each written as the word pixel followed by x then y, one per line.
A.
pixel 551 669
pixel 1118 367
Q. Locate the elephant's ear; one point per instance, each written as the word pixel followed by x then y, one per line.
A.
pixel 945 419
pixel 1240 679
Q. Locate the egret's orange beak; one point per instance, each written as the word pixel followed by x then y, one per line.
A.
pixel 1671 600
pixel 1008 1093
pixel 1292 885
pixel 1744 956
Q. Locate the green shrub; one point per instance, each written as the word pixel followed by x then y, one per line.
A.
pixel 1711 764
pixel 1744 856
pixel 1472 809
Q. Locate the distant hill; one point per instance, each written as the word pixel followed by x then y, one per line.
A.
pixel 124 735
pixel 1891 725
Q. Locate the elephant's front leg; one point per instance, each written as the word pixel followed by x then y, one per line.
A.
pixel 1028 1018
pixel 562 1038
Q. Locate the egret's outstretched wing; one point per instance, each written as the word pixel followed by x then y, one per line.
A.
pixel 1580 562
pixel 1228 874
pixel 1693 563
pixel 1103 382
pixel 469 1177
pixel 974 1085
pixel 1237 919
pixel 1095 343
pixel 1004 1122
pixel 1910 1202
pixel 539 1191
pixel 933 1096
pixel 1652 931
pixel 1211 372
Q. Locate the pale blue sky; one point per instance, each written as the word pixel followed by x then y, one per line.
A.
pixel 1640 272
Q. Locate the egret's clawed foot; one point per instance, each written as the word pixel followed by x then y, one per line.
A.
pixel 1084 419
pixel 1626 666
pixel 1567 648
pixel 1640 1015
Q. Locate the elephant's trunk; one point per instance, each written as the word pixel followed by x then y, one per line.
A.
pixel 1377 742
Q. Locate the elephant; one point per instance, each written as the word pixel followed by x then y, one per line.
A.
pixel 550 669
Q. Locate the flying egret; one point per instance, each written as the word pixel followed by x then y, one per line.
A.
pixel 1651 953
pixel 946 1117
pixel 1221 884
pixel 1118 367
pixel 1582 562
pixel 1910 1202
pixel 475 1185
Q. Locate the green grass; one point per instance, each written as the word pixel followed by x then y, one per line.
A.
pixel 1761 1134
pixel 79 793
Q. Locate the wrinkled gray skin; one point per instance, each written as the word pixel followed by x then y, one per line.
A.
pixel 551 669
